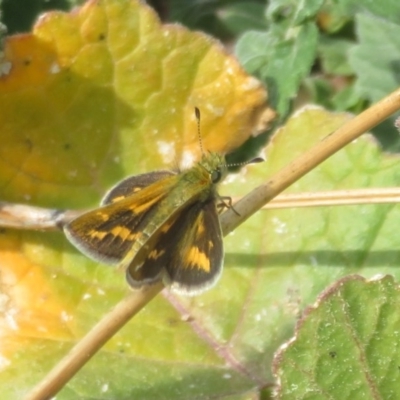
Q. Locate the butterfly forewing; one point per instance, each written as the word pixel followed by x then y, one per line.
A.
pixel 132 185
pixel 107 233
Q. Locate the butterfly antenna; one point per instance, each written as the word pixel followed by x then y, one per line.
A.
pixel 197 113
pixel 252 161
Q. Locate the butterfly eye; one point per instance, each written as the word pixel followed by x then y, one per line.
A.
pixel 216 176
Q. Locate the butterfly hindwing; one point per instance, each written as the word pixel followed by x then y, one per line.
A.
pixel 187 252
pixel 199 263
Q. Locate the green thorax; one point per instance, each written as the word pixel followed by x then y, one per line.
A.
pixel 206 174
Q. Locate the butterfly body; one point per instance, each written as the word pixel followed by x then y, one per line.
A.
pixel 159 226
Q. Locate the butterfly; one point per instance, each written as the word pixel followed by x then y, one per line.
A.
pixel 161 225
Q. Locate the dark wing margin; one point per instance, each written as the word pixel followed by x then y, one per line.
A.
pixel 187 253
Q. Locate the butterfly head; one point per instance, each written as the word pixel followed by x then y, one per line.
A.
pixel 215 165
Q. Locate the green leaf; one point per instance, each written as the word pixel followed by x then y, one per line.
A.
pixel 388 9
pixel 376 58
pixel 334 56
pixel 243 16
pixel 344 346
pixel 255 50
pixel 333 16
pixel 347 99
pixel 297 12
pixel 282 62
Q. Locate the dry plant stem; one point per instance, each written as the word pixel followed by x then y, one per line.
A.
pixel 255 200
pixel 36 218
pixel 23 216
pixel 92 342
pixel 336 198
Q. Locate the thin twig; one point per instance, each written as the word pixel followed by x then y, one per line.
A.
pixel 23 216
pixel 336 198
pixel 89 345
